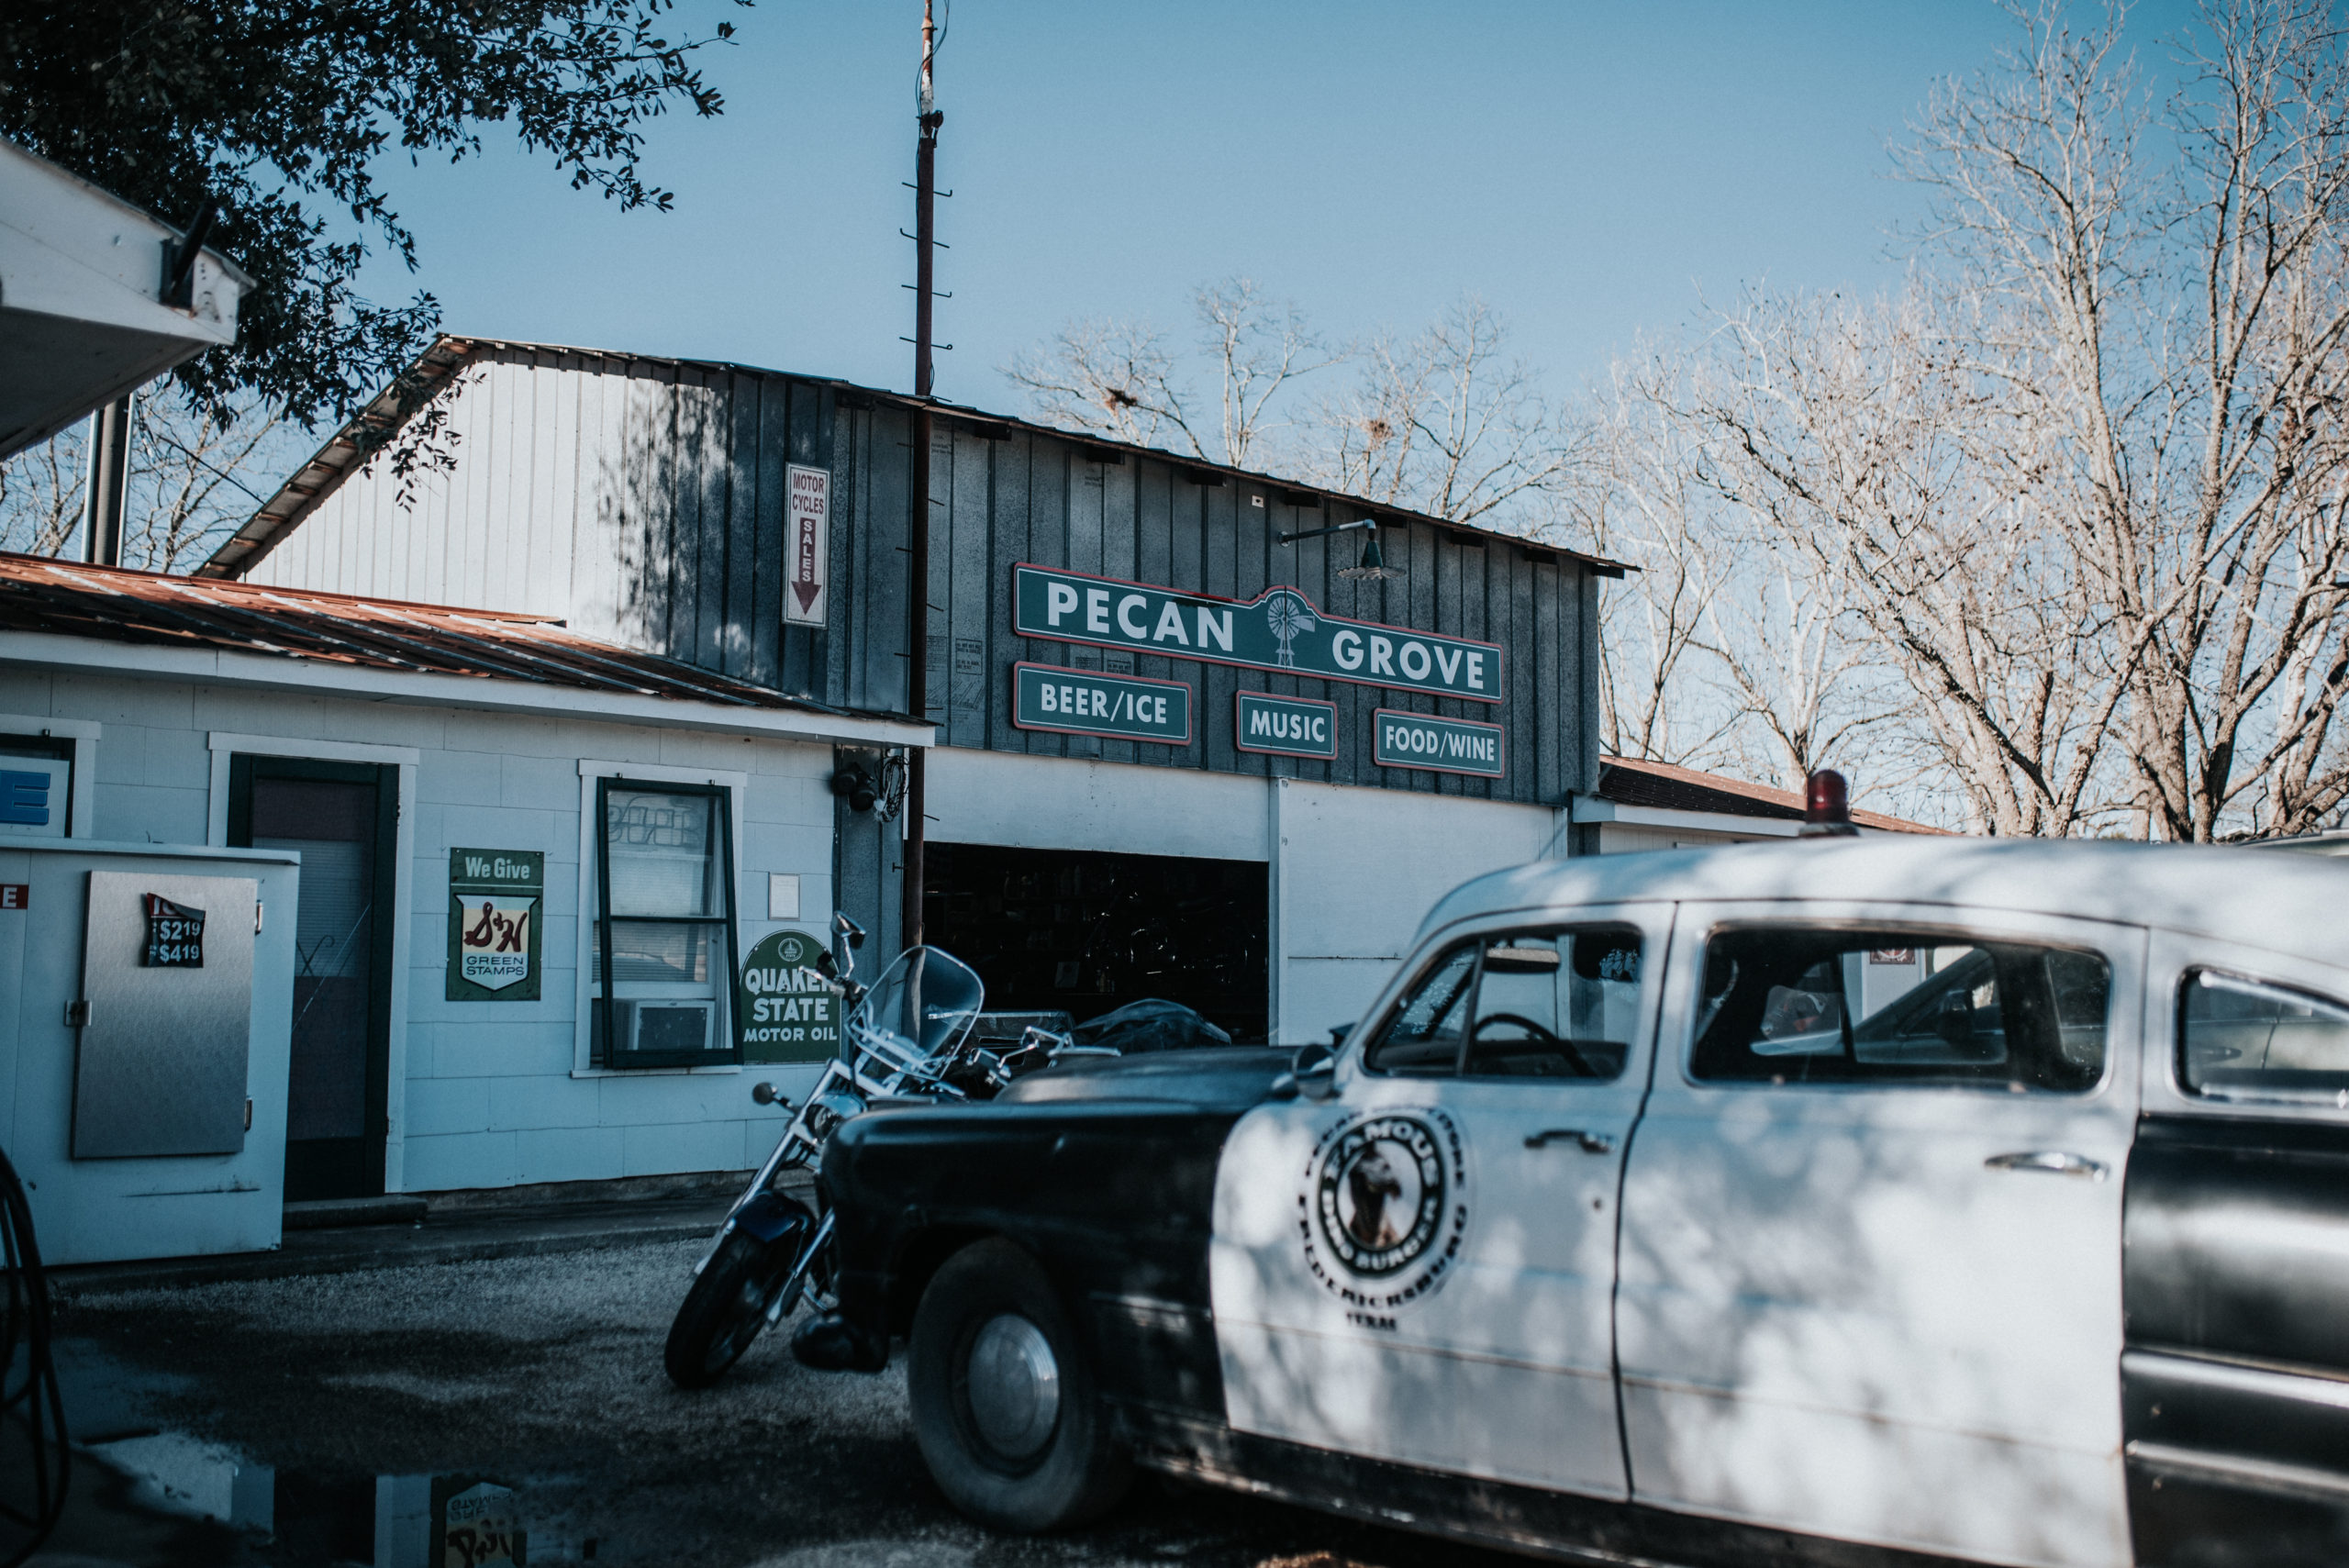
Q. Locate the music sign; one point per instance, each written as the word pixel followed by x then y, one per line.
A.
pixel 1279 630
pixel 494 898
pixel 1285 727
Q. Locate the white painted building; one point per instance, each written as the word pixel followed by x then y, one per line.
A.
pixel 374 741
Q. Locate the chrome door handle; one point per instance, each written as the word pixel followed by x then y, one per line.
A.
pixel 1592 1143
pixel 2054 1162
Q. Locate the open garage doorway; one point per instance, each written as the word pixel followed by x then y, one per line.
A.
pixel 1084 931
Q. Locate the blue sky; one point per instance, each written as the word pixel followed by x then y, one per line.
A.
pixel 1593 170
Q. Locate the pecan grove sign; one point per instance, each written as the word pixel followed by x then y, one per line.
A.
pixel 1279 630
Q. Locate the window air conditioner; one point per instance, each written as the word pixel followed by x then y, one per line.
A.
pixel 668 1028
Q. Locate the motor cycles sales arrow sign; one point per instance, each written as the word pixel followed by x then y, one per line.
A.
pixel 808 532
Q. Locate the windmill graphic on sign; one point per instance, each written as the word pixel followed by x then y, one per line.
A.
pixel 1291 617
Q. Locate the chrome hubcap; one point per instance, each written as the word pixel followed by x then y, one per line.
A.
pixel 1014 1387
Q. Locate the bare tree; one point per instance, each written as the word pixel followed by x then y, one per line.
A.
pixel 1445 422
pixel 196 474
pixel 196 477
pixel 1727 648
pixel 2084 478
pixel 1114 378
pixel 1121 378
pixel 40 494
pixel 2180 331
pixel 1852 435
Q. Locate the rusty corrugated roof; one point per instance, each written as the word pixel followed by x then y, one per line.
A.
pixel 39 594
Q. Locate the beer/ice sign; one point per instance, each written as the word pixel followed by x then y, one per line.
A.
pixel 1085 702
pixel 174 935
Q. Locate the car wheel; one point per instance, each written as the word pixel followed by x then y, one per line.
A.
pixel 1004 1402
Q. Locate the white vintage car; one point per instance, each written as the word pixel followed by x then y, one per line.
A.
pixel 1837 1202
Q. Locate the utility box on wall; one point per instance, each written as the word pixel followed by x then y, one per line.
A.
pixel 146 1009
pixel 167 1000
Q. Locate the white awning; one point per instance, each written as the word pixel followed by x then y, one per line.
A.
pixel 81 318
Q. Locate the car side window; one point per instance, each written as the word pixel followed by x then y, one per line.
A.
pixel 1423 1039
pixel 1556 1004
pixel 2245 1040
pixel 1791 1005
pixel 1550 1003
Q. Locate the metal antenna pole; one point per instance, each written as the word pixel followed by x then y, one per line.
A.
pixel 918 533
pixel 105 507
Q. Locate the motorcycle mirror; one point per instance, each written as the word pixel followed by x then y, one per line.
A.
pixel 849 928
pixel 827 966
pixel 766 1095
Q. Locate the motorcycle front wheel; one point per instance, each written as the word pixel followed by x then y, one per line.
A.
pixel 723 1312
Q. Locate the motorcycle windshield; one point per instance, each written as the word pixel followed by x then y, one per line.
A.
pixel 919 1007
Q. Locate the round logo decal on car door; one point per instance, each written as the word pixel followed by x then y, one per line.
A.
pixel 1387 1192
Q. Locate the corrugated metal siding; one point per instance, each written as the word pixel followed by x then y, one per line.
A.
pixel 1035 498
pixel 643 501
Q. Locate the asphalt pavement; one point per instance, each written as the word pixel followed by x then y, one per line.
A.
pixel 347 1416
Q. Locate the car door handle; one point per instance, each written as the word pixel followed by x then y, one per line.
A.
pixel 2054 1162
pixel 1592 1143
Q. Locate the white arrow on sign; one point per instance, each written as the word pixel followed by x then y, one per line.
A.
pixel 806 526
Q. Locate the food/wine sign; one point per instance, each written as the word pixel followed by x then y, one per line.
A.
pixel 174 935
pixel 784 1007
pixel 494 898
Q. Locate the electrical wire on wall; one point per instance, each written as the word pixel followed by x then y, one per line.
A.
pixel 32 1410
pixel 893 787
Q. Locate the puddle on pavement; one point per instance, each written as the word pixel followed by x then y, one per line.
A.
pixel 464 1520
pixel 379 1521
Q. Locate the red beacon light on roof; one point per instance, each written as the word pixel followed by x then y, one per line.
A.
pixel 1827 806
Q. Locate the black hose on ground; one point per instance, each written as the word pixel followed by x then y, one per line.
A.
pixel 32 1410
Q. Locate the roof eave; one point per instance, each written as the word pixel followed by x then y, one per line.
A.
pixel 308 676
pixel 284 511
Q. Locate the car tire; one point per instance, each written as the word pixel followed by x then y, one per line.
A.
pixel 1005 1409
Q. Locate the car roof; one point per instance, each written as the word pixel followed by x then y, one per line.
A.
pixel 2288 902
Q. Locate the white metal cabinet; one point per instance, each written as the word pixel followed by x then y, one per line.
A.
pixel 1496 1361
pixel 1841 1311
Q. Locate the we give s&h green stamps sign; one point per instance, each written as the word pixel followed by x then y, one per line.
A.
pixel 495 897
pixel 1279 630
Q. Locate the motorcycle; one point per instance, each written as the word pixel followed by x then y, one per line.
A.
pixel 909 1040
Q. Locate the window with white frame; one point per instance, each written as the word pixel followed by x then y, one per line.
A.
pixel 662 959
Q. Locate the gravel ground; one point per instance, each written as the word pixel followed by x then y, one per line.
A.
pixel 544 1374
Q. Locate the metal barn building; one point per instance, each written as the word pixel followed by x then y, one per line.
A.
pixel 1174 756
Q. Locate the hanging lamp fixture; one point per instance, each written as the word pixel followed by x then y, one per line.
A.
pixel 1372 567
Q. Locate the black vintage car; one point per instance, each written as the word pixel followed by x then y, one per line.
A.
pixel 1861 1203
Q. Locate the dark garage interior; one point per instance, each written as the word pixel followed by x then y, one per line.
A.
pixel 1086 932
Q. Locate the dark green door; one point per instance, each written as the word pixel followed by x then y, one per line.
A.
pixel 344 818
